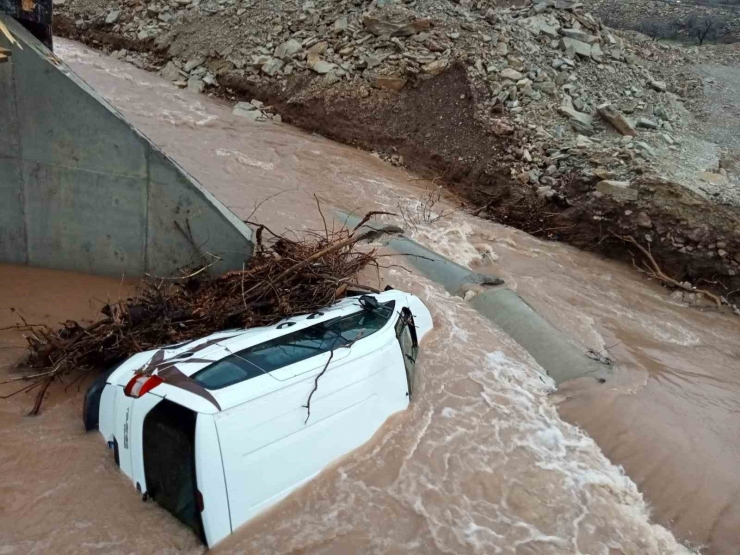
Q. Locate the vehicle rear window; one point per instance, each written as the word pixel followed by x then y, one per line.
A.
pixel 169 462
pixel 293 347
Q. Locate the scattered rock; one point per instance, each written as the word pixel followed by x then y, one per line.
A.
pixel 248 110
pixel 501 128
pixel 194 63
pixel 661 113
pixel 644 221
pixel 604 174
pixel 715 178
pixel 254 115
pixel 164 41
pixel 647 123
pixel 581 128
pixel 583 141
pixel 405 28
pixel 596 53
pixel 241 107
pixel 545 192
pixel 112 17
pixel 645 149
pixel 616 119
pixel 196 84
pixel 578 35
pixel 341 25
pixel 520 61
pixel 581 48
pixel 170 72
pixel 319 48
pixel 629 107
pixel 547 87
pixel 511 74
pixel 394 83
pixel 272 66
pixel 617 189
pixel 659 86
pixel 322 67
pixel 539 24
pixel 583 120
pixel 287 49
pixel 436 67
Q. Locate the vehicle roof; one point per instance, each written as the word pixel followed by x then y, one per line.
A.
pixel 207 350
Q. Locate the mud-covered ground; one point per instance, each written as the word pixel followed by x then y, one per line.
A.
pixel 433 126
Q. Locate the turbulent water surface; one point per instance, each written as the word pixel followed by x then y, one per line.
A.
pixel 485 460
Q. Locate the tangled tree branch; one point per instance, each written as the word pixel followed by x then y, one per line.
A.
pixel 282 278
pixel 654 271
pixel 307 406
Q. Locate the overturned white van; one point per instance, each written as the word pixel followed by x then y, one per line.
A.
pixel 221 428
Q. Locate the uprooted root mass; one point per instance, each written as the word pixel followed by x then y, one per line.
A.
pixel 284 277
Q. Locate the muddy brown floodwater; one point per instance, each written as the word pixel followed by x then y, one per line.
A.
pixel 486 460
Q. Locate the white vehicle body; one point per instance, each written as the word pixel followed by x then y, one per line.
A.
pixel 241 428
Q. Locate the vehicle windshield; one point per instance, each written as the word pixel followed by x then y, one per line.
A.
pixel 293 347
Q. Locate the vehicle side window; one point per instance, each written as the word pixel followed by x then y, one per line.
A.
pixel 406 335
pixel 293 347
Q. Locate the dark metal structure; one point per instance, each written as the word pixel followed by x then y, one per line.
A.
pixel 34 15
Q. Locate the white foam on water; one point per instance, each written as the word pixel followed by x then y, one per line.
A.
pixel 481 463
pixel 243 159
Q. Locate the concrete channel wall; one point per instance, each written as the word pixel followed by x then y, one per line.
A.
pixel 82 190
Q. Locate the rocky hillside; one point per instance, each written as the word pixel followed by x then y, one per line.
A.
pixel 631 14
pixel 537 115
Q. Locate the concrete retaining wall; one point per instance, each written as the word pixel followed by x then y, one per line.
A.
pixel 80 189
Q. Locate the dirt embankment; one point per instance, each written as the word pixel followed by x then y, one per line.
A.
pixel 433 126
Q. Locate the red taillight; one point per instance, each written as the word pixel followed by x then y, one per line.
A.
pixel 199 500
pixel 140 384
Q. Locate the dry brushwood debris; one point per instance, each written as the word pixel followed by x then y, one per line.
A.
pixel 422 210
pixel 284 277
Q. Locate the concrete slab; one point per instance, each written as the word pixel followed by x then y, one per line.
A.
pixel 85 221
pixel 82 190
pixel 68 127
pixel 176 199
pixel 617 189
pixel 12 220
pixel 8 119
